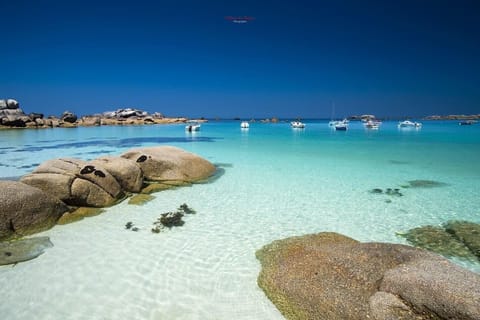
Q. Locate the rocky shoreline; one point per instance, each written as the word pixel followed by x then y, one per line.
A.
pixel 56 188
pixel 12 116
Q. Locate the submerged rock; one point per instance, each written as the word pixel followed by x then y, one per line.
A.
pixel 438 240
pixel 23 250
pixel 426 184
pixel 330 276
pixel 466 232
pixel 78 214
pixel 140 199
pixel 153 187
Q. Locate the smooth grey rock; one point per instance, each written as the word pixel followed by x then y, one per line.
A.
pixel 25 209
pixel 168 163
pixel 126 171
pixel 330 276
pixel 68 180
pixel 23 250
pixel 436 285
pixel 386 306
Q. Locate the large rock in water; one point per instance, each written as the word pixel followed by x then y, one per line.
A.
pixel 76 182
pixel 126 171
pixel 330 276
pixel 23 250
pixel 25 209
pixel 170 164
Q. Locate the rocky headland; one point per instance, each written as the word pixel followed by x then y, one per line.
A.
pixel 331 276
pixel 12 116
pixel 66 189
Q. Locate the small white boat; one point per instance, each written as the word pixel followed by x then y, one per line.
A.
pixel 297 124
pixel 333 123
pixel 341 125
pixel 192 127
pixel 372 125
pixel 244 125
pixel 409 124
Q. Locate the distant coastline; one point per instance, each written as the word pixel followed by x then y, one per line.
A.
pixel 454 117
pixel 12 116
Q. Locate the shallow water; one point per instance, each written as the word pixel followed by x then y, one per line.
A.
pixel 278 182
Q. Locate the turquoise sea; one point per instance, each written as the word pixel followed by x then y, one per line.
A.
pixel 277 182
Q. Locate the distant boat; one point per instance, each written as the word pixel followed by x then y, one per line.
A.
pixel 409 124
pixel 341 125
pixel 372 124
pixel 244 125
pixel 333 123
pixel 467 122
pixel 297 124
pixel 194 126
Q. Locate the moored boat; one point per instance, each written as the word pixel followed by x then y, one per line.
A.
pixel 192 127
pixel 467 122
pixel 372 124
pixel 409 124
pixel 244 125
pixel 297 124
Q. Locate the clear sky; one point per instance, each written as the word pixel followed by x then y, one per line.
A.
pixel 296 58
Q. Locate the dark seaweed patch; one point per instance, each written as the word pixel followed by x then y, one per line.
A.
pixel 398 162
pixel 426 184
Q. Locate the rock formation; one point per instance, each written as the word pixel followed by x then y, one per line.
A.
pixel 76 182
pixel 12 116
pixel 330 276
pixel 69 117
pixel 40 199
pixel 23 250
pixel 26 209
pixel 459 239
pixel 170 164
pixel 126 171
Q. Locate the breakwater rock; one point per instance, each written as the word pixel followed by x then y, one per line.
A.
pixel 331 276
pixel 40 198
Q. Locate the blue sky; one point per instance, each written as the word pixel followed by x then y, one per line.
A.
pixel 183 58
